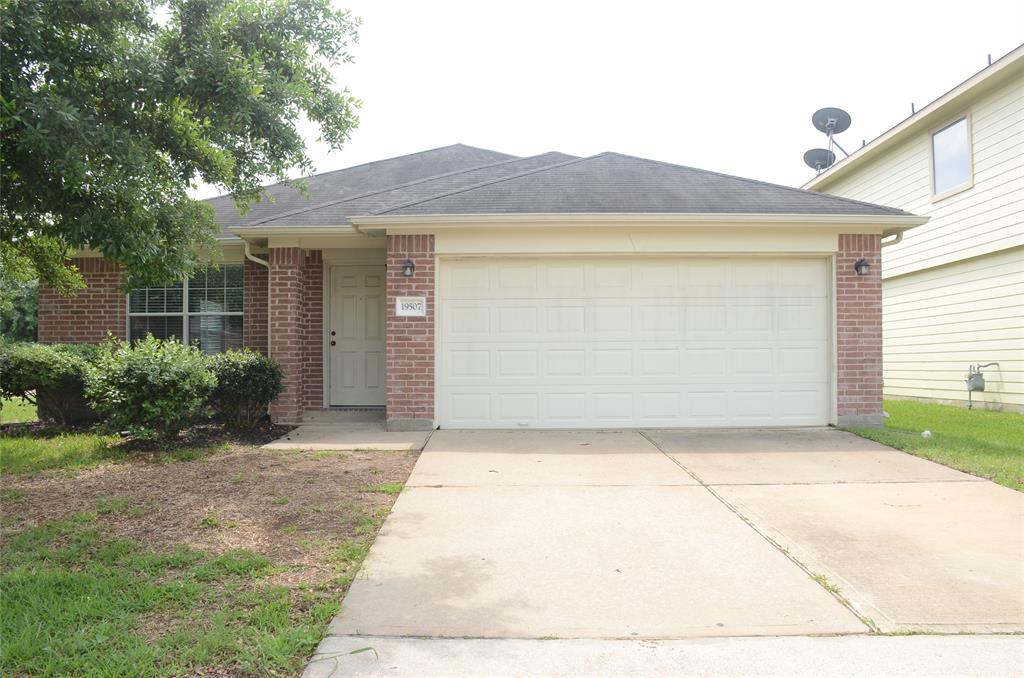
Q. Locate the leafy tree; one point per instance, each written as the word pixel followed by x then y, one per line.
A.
pixel 18 304
pixel 18 297
pixel 111 109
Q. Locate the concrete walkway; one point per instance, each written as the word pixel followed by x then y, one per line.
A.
pixel 605 536
pixel 790 657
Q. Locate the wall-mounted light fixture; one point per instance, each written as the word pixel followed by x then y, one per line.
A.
pixel 408 268
pixel 862 266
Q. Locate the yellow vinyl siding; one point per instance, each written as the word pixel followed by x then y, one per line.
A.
pixel 985 218
pixel 938 321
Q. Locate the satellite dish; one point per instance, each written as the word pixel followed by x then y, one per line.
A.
pixel 831 120
pixel 819 159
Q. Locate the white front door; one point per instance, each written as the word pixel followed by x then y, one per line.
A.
pixel 356 336
pixel 604 342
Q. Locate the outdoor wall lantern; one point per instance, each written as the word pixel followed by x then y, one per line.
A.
pixel 408 268
pixel 862 267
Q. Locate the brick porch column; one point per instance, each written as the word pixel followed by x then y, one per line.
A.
pixel 286 341
pixel 410 340
pixel 859 332
pixel 313 331
pixel 254 298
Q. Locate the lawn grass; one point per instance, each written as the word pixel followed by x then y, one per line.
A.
pixel 80 602
pixel 984 443
pixel 99 577
pixel 29 453
pixel 16 410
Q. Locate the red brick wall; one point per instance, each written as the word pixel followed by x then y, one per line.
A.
pixel 254 320
pixel 313 331
pixel 859 331
pixel 286 318
pixel 410 341
pixel 87 316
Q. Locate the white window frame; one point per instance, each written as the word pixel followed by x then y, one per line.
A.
pixel 184 313
pixel 959 188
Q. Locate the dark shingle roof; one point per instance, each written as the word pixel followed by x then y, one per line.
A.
pixel 335 212
pixel 612 183
pixel 353 181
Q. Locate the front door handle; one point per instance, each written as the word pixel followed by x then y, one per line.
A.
pixel 333 342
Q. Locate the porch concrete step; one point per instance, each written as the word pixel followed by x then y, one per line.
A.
pixel 347 416
pixel 349 436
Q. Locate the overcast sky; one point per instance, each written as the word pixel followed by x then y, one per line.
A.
pixel 726 86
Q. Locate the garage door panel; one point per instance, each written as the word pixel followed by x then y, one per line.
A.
pixel 636 319
pixel 747 347
pixel 544 364
pixel 609 406
pixel 641 277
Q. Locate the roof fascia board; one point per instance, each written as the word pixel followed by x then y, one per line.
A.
pixel 342 230
pixel 371 222
pixel 973 86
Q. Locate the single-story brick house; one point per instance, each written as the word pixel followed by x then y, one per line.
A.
pixel 465 288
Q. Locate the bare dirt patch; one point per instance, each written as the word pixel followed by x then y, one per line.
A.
pixel 293 507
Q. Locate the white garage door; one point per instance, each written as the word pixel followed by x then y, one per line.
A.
pixel 629 341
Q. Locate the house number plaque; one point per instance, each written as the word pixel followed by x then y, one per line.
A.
pixel 411 306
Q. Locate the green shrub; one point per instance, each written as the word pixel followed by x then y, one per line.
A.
pixel 246 383
pixel 151 388
pixel 51 376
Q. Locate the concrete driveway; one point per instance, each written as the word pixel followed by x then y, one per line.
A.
pixel 681 534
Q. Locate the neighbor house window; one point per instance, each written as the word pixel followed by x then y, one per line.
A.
pixel 205 309
pixel 951 157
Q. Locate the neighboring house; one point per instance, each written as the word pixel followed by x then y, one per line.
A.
pixel 465 288
pixel 953 290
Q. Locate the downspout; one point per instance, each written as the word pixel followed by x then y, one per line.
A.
pixel 895 241
pixel 362 232
pixel 266 264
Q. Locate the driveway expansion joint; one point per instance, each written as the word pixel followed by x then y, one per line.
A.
pixel 871 626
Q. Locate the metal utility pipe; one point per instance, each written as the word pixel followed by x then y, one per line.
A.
pixel 975 381
pixel 266 264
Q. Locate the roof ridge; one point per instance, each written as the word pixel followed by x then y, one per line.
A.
pixel 396 187
pixel 758 182
pixel 372 162
pixel 487 183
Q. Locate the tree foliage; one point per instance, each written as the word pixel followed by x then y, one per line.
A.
pixel 19 297
pixel 110 110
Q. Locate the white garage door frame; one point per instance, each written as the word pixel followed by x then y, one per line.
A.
pixel 831 311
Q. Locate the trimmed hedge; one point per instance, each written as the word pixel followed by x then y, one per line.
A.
pixel 246 383
pixel 51 376
pixel 151 388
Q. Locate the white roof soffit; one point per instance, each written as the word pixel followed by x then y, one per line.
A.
pixel 1005 67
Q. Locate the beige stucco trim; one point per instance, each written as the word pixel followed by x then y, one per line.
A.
pixel 534 240
pixel 960 97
